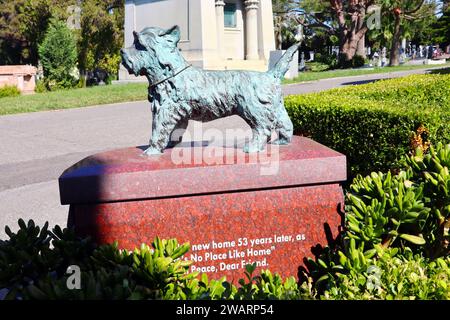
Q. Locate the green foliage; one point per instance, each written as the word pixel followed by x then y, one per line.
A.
pixel 395 245
pixel 415 26
pixel 23 24
pixel 58 54
pixel 410 209
pixel 386 209
pixel 40 86
pixel 396 239
pixel 329 59
pixel 284 24
pixel 101 35
pixel 394 274
pixel 34 261
pixel 9 91
pixel 358 61
pixel 317 66
pixel 432 172
pixel 373 124
pixel 441 29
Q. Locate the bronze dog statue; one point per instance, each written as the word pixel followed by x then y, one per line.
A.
pixel 178 91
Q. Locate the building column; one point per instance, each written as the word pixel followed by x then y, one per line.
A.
pixel 129 27
pixel 251 29
pixel 220 25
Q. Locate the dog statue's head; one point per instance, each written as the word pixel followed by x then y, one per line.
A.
pixel 154 53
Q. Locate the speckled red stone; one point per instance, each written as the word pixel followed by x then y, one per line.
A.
pixel 121 195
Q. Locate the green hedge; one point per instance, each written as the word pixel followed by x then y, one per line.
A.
pixel 9 91
pixel 373 124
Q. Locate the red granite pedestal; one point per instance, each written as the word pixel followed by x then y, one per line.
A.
pixel 233 208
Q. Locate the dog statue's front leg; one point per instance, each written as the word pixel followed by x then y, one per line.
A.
pixel 162 127
pixel 152 150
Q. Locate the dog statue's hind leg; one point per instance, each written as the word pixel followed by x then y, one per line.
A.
pixel 284 128
pixel 258 141
pixel 177 133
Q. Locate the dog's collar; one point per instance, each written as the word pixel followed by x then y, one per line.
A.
pixel 172 76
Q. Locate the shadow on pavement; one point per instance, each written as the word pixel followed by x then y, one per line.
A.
pixel 441 71
pixel 354 83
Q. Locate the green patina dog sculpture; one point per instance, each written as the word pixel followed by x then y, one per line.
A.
pixel 178 91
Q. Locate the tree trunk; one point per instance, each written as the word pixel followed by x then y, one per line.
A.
pixel 354 43
pixel 352 34
pixel 278 32
pixel 361 51
pixel 394 59
pixel 83 77
pixel 348 48
pixel 278 40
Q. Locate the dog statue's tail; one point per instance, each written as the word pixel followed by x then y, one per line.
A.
pixel 282 66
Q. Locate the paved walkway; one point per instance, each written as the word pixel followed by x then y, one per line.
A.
pixel 35 148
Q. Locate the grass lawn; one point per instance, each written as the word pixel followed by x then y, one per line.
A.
pixel 74 98
pixel 311 76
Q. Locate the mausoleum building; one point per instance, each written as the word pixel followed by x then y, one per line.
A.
pixel 215 34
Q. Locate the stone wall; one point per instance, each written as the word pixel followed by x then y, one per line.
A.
pixel 23 77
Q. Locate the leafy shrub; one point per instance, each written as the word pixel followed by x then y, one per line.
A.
pixel 411 208
pixel 393 274
pixel 328 59
pixel 9 91
pixel 317 66
pixel 358 61
pixel 31 268
pixel 110 63
pixel 40 87
pixel 373 124
pixel 396 239
pixel 58 54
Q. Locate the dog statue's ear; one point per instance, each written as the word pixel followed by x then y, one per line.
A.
pixel 172 34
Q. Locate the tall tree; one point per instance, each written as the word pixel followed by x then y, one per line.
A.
pixel 343 18
pixel 348 20
pixel 403 12
pixel 352 30
pixel 101 35
pixel 58 54
pixel 12 39
pixel 441 28
pixel 23 24
pixel 285 21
